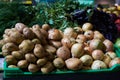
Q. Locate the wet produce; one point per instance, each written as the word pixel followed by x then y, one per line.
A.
pixel 44 49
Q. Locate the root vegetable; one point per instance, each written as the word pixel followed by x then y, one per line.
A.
pixel 22 64
pixel 39 51
pixel 98 54
pixel 41 62
pixel 50 49
pixel 114 62
pixel 77 50
pixel 89 34
pixel 97 64
pixel 45 27
pixel 56 44
pixel 86 60
pixel 20 27
pixel 58 62
pixel 33 68
pixel 73 63
pixel 10 60
pixel 111 54
pixel 48 67
pixel 26 46
pixel 87 26
pixel 63 52
pixel 18 54
pixel 30 57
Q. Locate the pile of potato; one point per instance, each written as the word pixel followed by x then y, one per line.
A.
pixel 45 49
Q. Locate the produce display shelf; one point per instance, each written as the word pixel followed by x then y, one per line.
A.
pixel 17 72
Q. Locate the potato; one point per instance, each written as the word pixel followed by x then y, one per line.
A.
pixel 18 54
pixel 22 64
pixel 98 54
pixel 6 52
pixel 58 62
pixel 28 33
pixel 16 37
pixel 44 33
pixel 68 42
pixel 73 63
pixel 50 56
pixel 10 47
pixel 12 66
pixel 97 64
pixel 106 59
pixel 54 34
pixel 50 49
pixel 10 60
pixel 20 27
pixel 86 60
pixel 56 44
pixel 36 41
pixel 39 35
pixel 77 50
pixel 26 46
pixel 39 51
pixel 48 67
pixel 30 57
pixel 33 68
pixel 2 42
pixel 41 62
pixel 63 52
pixel 45 27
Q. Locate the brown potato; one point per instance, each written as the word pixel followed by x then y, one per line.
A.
pixel 44 33
pixel 22 64
pixel 18 55
pixel 48 67
pixel 56 44
pixel 2 42
pixel 10 47
pixel 36 41
pixel 30 57
pixel 6 52
pixel 20 27
pixel 10 60
pixel 73 63
pixel 39 51
pixel 45 27
pixel 50 49
pixel 26 46
pixel 33 68
pixel 28 33
pixel 41 62
pixel 58 62
pixel 12 66
pixel 63 52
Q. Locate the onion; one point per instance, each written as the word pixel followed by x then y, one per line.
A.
pixel 114 62
pixel 97 54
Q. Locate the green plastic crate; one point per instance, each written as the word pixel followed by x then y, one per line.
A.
pixel 16 72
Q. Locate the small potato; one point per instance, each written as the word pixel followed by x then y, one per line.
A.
pixel 10 60
pixel 36 41
pixel 50 56
pixel 56 44
pixel 97 64
pixel 5 52
pixel 98 54
pixel 44 33
pixel 63 52
pixel 18 55
pixel 26 46
pixel 16 37
pixel 10 47
pixel 20 27
pixel 39 35
pixel 2 42
pixel 28 33
pixel 73 63
pixel 12 66
pixel 41 62
pixel 33 68
pixel 68 42
pixel 54 34
pixel 39 51
pixel 22 64
pixel 45 27
pixel 30 57
pixel 50 49
pixel 86 60
pixel 47 68
pixel 58 62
